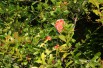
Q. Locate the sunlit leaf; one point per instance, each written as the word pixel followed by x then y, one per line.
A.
pixel 48 51
pixel 62 37
pixel 100 1
pixel 95 2
pixel 75 1
pixel 39 61
pixel 96 56
pixel 65 55
pixel 63 48
pixel 97 12
pixel 43 57
pixel 68 64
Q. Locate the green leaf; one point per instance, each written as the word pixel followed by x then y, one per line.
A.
pixel 78 54
pixel 43 58
pixel 39 7
pixel 16 66
pixel 39 61
pixel 46 6
pixel 62 37
pixel 69 63
pixel 53 1
pixel 100 1
pixel 75 1
pixel 65 12
pixel 65 55
pixel 32 8
pixel 97 55
pixel 83 61
pixel 1 53
pixel 25 63
pixel 34 2
pixel 63 48
pixel 97 12
pixel 52 13
pixel 94 2
pixel 47 51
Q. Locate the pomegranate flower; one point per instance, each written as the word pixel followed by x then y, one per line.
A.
pixel 59 25
pixel 48 38
pixel 56 46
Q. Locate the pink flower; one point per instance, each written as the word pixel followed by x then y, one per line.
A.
pixel 56 46
pixel 48 38
pixel 59 25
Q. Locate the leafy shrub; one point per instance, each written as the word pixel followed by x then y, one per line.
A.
pixel 45 34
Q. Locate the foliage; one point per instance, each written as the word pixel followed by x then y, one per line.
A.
pixel 29 36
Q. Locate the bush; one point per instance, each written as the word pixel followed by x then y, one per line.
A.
pixel 51 34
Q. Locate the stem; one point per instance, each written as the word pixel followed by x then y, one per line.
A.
pixel 75 21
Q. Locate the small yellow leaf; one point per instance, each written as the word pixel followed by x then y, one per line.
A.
pixel 64 55
pixel 48 51
pixel 62 37
pixel 97 12
pixel 51 56
pixel 39 61
pixel 43 58
pixel 94 2
pixel 63 48
pixel 75 1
